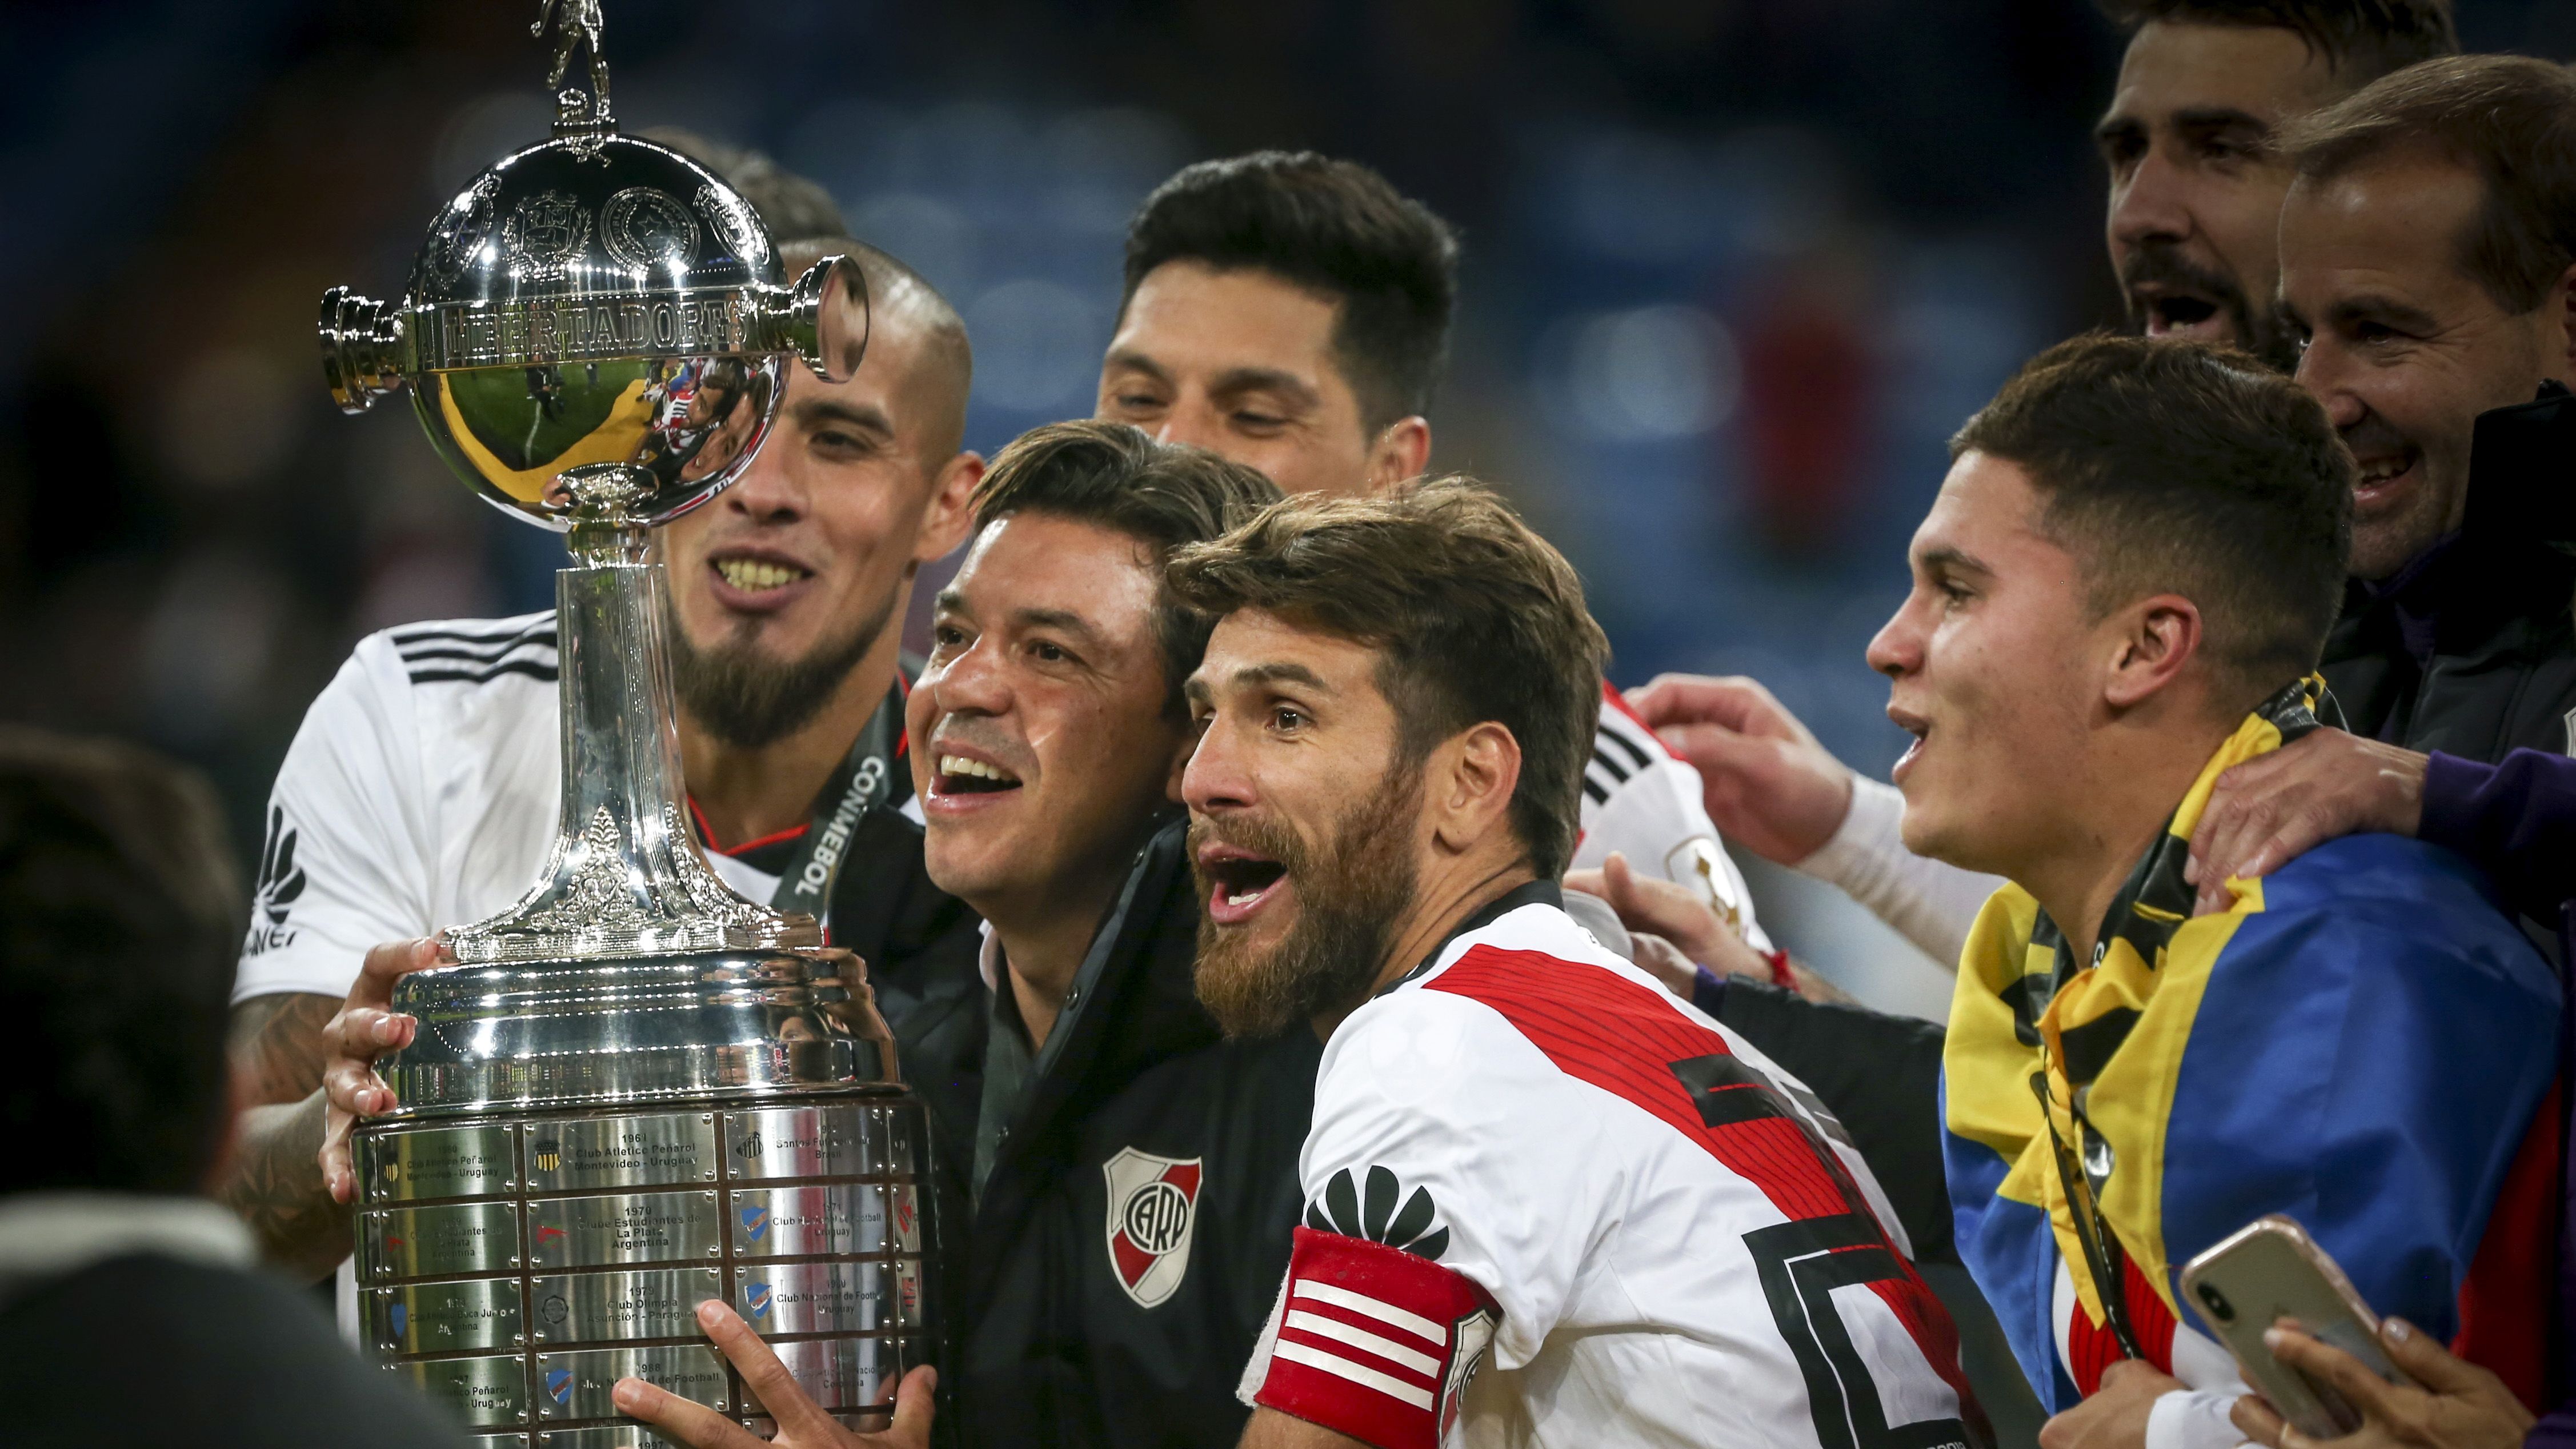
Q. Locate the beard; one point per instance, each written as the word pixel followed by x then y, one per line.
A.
pixel 1350 893
pixel 2262 331
pixel 748 700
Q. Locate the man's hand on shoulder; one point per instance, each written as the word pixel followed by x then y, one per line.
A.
pixel 1767 782
pixel 802 1424
pixel 2270 810
pixel 2115 1417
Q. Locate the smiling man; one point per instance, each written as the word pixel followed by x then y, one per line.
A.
pixel 1120 1180
pixel 1132 1175
pixel 2119 594
pixel 421 791
pixel 1527 1157
pixel 2429 257
pixel 1291 311
pixel 2190 141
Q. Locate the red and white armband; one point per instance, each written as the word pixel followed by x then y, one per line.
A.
pixel 1372 1342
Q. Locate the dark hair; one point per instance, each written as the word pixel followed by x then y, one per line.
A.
pixel 1474 616
pixel 1333 227
pixel 2361 40
pixel 2171 466
pixel 792 207
pixel 2510 118
pixel 1162 495
pixel 120 925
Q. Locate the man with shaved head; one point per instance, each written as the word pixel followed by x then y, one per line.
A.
pixel 422 790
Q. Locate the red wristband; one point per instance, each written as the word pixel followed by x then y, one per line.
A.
pixel 1781 975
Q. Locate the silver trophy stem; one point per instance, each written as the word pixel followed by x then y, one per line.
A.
pixel 626 877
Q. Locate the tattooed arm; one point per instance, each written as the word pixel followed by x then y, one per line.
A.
pixel 274 1181
pixel 308 1067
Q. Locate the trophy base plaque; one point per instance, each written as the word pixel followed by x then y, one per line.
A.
pixel 515 1267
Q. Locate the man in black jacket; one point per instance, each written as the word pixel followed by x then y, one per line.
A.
pixel 130 1309
pixel 2428 252
pixel 1119 1182
pixel 1132 1176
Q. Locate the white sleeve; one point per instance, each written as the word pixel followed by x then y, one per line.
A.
pixel 1433 1134
pixel 1640 801
pixel 1433 1234
pixel 2193 1419
pixel 343 866
pixel 1929 903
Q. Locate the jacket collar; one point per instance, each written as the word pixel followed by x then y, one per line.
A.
pixel 2511 556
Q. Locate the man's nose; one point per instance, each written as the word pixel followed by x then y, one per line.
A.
pixel 971 682
pixel 2322 373
pixel 2153 203
pixel 1192 421
pixel 1215 780
pixel 1897 649
pixel 768 490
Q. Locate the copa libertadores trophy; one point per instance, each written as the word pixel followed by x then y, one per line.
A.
pixel 634 1092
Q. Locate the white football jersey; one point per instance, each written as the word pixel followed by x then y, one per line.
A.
pixel 420 792
pixel 1551 1205
pixel 1642 802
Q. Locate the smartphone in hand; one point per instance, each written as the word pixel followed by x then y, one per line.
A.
pixel 2271 1269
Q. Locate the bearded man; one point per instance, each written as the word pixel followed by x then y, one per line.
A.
pixel 422 790
pixel 1527 1157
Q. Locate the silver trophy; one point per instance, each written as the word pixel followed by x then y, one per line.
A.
pixel 637 1090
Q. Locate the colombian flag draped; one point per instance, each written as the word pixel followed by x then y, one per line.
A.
pixel 2363 1041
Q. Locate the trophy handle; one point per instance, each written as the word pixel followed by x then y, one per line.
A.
pixel 361 349
pixel 823 319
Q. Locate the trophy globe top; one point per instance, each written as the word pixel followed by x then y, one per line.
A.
pixel 595 331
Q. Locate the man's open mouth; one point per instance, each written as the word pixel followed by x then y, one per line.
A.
pixel 2377 477
pixel 962 775
pixel 1915 725
pixel 1240 882
pixel 758 575
pixel 2178 312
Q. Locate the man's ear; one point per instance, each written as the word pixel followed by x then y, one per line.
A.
pixel 951 514
pixel 1468 784
pixel 1400 452
pixel 2155 640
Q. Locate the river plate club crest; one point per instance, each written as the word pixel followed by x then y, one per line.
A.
pixel 1153 1206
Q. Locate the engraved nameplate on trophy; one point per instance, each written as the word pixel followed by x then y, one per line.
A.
pixel 634 1303
pixel 439 1242
pixel 577 1385
pixel 454 1162
pixel 442 1317
pixel 633 1227
pixel 623 1152
pixel 481 1391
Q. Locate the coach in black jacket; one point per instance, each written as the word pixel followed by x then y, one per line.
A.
pixel 1118 1203
pixel 2470 649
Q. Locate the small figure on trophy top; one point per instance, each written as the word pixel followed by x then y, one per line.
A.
pixel 577 23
